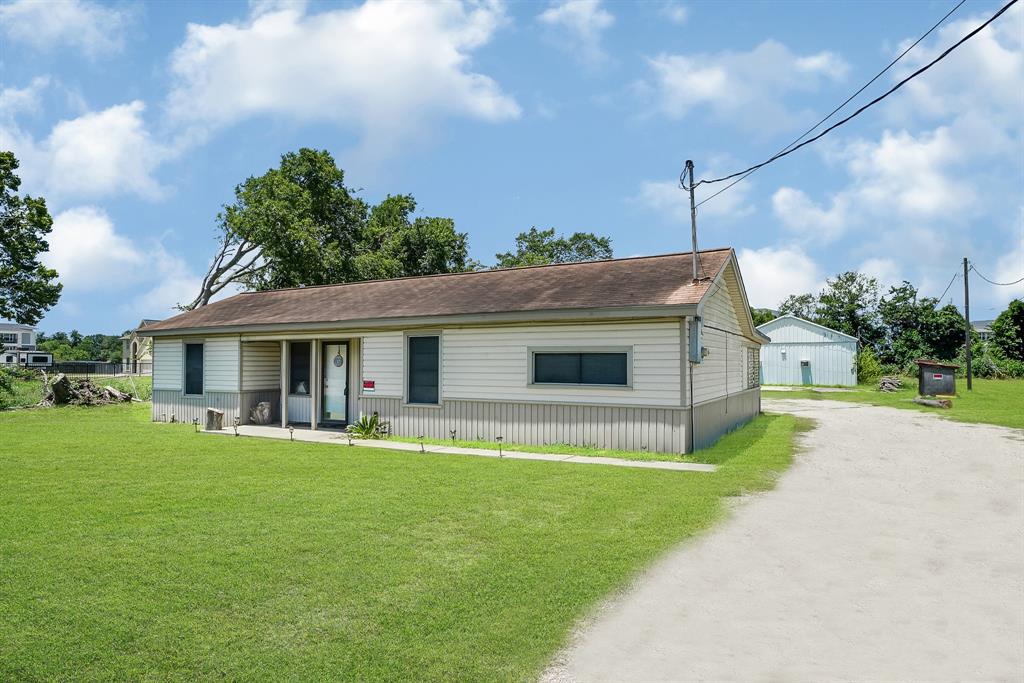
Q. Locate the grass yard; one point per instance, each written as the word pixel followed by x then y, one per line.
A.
pixel 29 392
pixel 992 401
pixel 558 448
pixel 133 550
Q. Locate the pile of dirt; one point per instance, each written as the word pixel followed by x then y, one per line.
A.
pixel 62 390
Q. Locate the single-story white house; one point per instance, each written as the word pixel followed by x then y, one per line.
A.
pixel 802 352
pixel 624 353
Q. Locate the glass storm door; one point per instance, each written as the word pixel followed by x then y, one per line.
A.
pixel 335 378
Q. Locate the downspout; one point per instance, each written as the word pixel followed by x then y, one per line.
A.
pixel 693 436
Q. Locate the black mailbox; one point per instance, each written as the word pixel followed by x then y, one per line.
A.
pixel 935 378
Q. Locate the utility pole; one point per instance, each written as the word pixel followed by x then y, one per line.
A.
pixel 693 222
pixel 967 324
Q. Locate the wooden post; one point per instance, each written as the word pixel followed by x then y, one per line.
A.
pixel 315 383
pixel 284 383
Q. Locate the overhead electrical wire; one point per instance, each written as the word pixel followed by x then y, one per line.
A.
pixel 845 102
pixel 998 284
pixel 951 281
pixel 867 106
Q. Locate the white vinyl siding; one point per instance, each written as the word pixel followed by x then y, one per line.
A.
pixel 261 365
pixel 383 361
pixel 220 363
pixel 726 359
pixel 492 363
pixel 168 368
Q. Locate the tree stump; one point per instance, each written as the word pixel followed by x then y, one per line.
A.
pixel 214 420
pixel 260 413
pixel 60 387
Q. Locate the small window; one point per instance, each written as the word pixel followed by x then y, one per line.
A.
pixel 581 368
pixel 9 338
pixel 299 368
pixel 424 361
pixel 194 369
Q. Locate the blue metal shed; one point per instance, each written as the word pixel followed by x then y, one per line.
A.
pixel 802 352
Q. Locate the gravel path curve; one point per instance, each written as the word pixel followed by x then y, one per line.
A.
pixel 892 550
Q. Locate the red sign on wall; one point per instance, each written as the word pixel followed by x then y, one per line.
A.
pixel 369 385
pixel 937 375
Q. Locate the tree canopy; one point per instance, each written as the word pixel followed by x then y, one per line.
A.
pixel 299 224
pixel 27 288
pixel 541 247
pixel 1008 331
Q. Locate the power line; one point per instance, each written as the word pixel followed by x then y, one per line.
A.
pixel 867 106
pixel 952 280
pixel 847 101
pixel 998 284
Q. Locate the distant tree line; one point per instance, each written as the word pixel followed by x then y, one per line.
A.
pixel 76 346
pixel 899 326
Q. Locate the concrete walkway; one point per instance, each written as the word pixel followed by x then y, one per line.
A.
pixel 892 550
pixel 341 439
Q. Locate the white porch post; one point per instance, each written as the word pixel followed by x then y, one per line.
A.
pixel 315 383
pixel 284 383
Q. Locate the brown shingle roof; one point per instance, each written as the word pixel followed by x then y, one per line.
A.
pixel 630 282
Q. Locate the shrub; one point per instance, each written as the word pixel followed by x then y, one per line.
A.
pixel 367 427
pixel 868 367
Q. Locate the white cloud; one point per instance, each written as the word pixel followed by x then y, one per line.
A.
pixel 97 154
pixel 388 68
pixel 581 24
pixel 665 196
pixel 14 101
pixel 675 12
pixel 92 28
pixel 90 256
pixel 886 270
pixel 798 213
pixel 773 273
pixel 745 88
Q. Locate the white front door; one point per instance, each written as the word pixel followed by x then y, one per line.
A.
pixel 335 377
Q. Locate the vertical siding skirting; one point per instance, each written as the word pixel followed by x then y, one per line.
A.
pixel 661 430
pixel 167 402
pixel 713 419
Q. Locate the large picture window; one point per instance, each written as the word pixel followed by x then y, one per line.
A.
pixel 194 369
pixel 424 363
pixel 609 368
pixel 299 368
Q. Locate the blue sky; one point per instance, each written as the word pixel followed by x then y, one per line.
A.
pixel 136 121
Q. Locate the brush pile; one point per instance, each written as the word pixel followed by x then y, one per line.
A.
pixel 62 391
pixel 890 384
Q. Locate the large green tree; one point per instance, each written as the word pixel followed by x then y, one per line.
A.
pixel 801 305
pixel 542 247
pixel 849 304
pixel 299 224
pixel 1008 331
pixel 27 288
pixel 917 328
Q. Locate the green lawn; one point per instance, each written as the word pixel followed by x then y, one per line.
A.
pixel 30 392
pixel 133 550
pixel 558 448
pixel 992 401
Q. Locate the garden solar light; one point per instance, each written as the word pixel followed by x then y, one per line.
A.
pixel 452 432
pixel 349 437
pixel 234 425
pixel 195 423
pixel 499 439
pixel 291 433
pixel 422 449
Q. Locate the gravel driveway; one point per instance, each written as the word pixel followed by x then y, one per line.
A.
pixel 892 550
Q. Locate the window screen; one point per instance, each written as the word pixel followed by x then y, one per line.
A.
pixel 580 368
pixel 423 369
pixel 194 369
pixel 299 367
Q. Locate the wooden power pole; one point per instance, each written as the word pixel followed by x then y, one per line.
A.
pixel 967 324
pixel 693 222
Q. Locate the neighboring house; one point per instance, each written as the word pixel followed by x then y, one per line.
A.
pixel 19 346
pixel 983 328
pixel 137 350
pixel 802 352
pixel 592 353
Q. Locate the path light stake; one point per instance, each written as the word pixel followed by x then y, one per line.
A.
pixel 234 425
pixel 452 432
pixel 500 438
pixel 348 435
pixel 422 449
pixel 291 433
pixel 195 423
